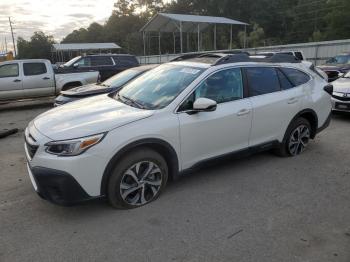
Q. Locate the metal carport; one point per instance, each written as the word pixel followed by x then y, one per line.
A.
pixel 60 49
pixel 171 23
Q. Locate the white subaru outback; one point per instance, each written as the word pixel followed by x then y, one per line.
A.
pixel 126 146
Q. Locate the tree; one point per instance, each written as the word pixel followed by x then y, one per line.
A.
pixel 39 46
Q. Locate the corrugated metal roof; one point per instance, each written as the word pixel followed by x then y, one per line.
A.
pixel 163 22
pixel 85 46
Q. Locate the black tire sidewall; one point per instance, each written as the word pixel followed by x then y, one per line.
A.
pixel 298 122
pixel 138 155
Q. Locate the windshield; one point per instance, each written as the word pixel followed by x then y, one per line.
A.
pixel 122 78
pixel 341 59
pixel 158 87
pixel 72 61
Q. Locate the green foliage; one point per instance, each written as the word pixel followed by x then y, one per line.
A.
pixel 271 22
pixel 39 46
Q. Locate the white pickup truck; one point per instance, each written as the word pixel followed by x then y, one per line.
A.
pixel 32 78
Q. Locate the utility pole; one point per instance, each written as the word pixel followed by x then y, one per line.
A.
pixel 13 38
pixel 5 45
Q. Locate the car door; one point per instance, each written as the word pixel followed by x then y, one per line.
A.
pixel 275 102
pixel 105 66
pixel 209 134
pixel 10 81
pixel 37 80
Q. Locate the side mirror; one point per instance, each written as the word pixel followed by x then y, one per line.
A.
pixel 204 105
pixel 76 65
pixel 328 89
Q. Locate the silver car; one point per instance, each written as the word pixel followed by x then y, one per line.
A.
pixel 341 93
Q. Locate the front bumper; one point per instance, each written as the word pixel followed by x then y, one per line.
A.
pixel 57 186
pixel 62 180
pixel 341 105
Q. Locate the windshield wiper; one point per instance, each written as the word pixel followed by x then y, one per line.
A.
pixel 130 101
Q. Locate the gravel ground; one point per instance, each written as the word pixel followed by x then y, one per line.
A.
pixel 260 208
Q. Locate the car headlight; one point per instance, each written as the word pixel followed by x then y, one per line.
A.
pixel 73 147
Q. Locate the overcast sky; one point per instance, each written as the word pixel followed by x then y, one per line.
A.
pixel 54 17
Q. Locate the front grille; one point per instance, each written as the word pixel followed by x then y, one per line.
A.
pixel 342 98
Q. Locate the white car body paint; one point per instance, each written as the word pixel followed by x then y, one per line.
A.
pixel 231 127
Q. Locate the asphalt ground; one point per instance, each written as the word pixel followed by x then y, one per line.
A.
pixel 259 208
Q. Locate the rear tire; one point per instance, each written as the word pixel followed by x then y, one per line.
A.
pixel 296 138
pixel 137 179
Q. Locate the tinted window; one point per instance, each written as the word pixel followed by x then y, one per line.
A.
pixel 101 61
pixel 31 69
pixel 284 81
pixel 295 76
pixel 262 80
pixel 223 86
pixel 10 70
pixel 126 60
pixel 84 62
pixel 299 55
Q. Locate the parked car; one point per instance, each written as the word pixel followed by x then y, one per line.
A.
pixel 172 119
pixel 336 66
pixel 107 64
pixel 341 93
pixel 112 84
pixel 297 54
pixel 36 78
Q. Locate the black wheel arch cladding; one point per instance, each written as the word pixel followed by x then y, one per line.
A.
pixel 159 145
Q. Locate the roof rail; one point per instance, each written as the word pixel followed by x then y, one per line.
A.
pixel 238 58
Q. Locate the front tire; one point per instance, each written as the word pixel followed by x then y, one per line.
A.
pixel 137 179
pixel 296 139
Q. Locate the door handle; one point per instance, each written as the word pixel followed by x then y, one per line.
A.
pixel 292 100
pixel 17 80
pixel 46 78
pixel 243 112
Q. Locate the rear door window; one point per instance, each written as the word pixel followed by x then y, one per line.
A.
pixel 101 61
pixel 126 60
pixel 32 69
pixel 262 80
pixel 295 76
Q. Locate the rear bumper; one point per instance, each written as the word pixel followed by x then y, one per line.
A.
pixel 57 186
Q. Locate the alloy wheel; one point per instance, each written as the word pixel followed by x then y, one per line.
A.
pixel 299 140
pixel 141 183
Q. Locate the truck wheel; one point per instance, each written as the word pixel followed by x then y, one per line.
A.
pixel 137 179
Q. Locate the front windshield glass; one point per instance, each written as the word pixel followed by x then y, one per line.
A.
pixel 158 87
pixel 72 61
pixel 121 78
pixel 341 59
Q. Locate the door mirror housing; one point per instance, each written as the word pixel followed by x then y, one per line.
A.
pixel 76 65
pixel 204 105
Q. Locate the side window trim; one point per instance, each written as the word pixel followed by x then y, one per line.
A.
pixel 177 110
pixel 279 79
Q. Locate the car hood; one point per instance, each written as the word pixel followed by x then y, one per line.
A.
pixel 341 85
pixel 86 90
pixel 334 67
pixel 87 117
